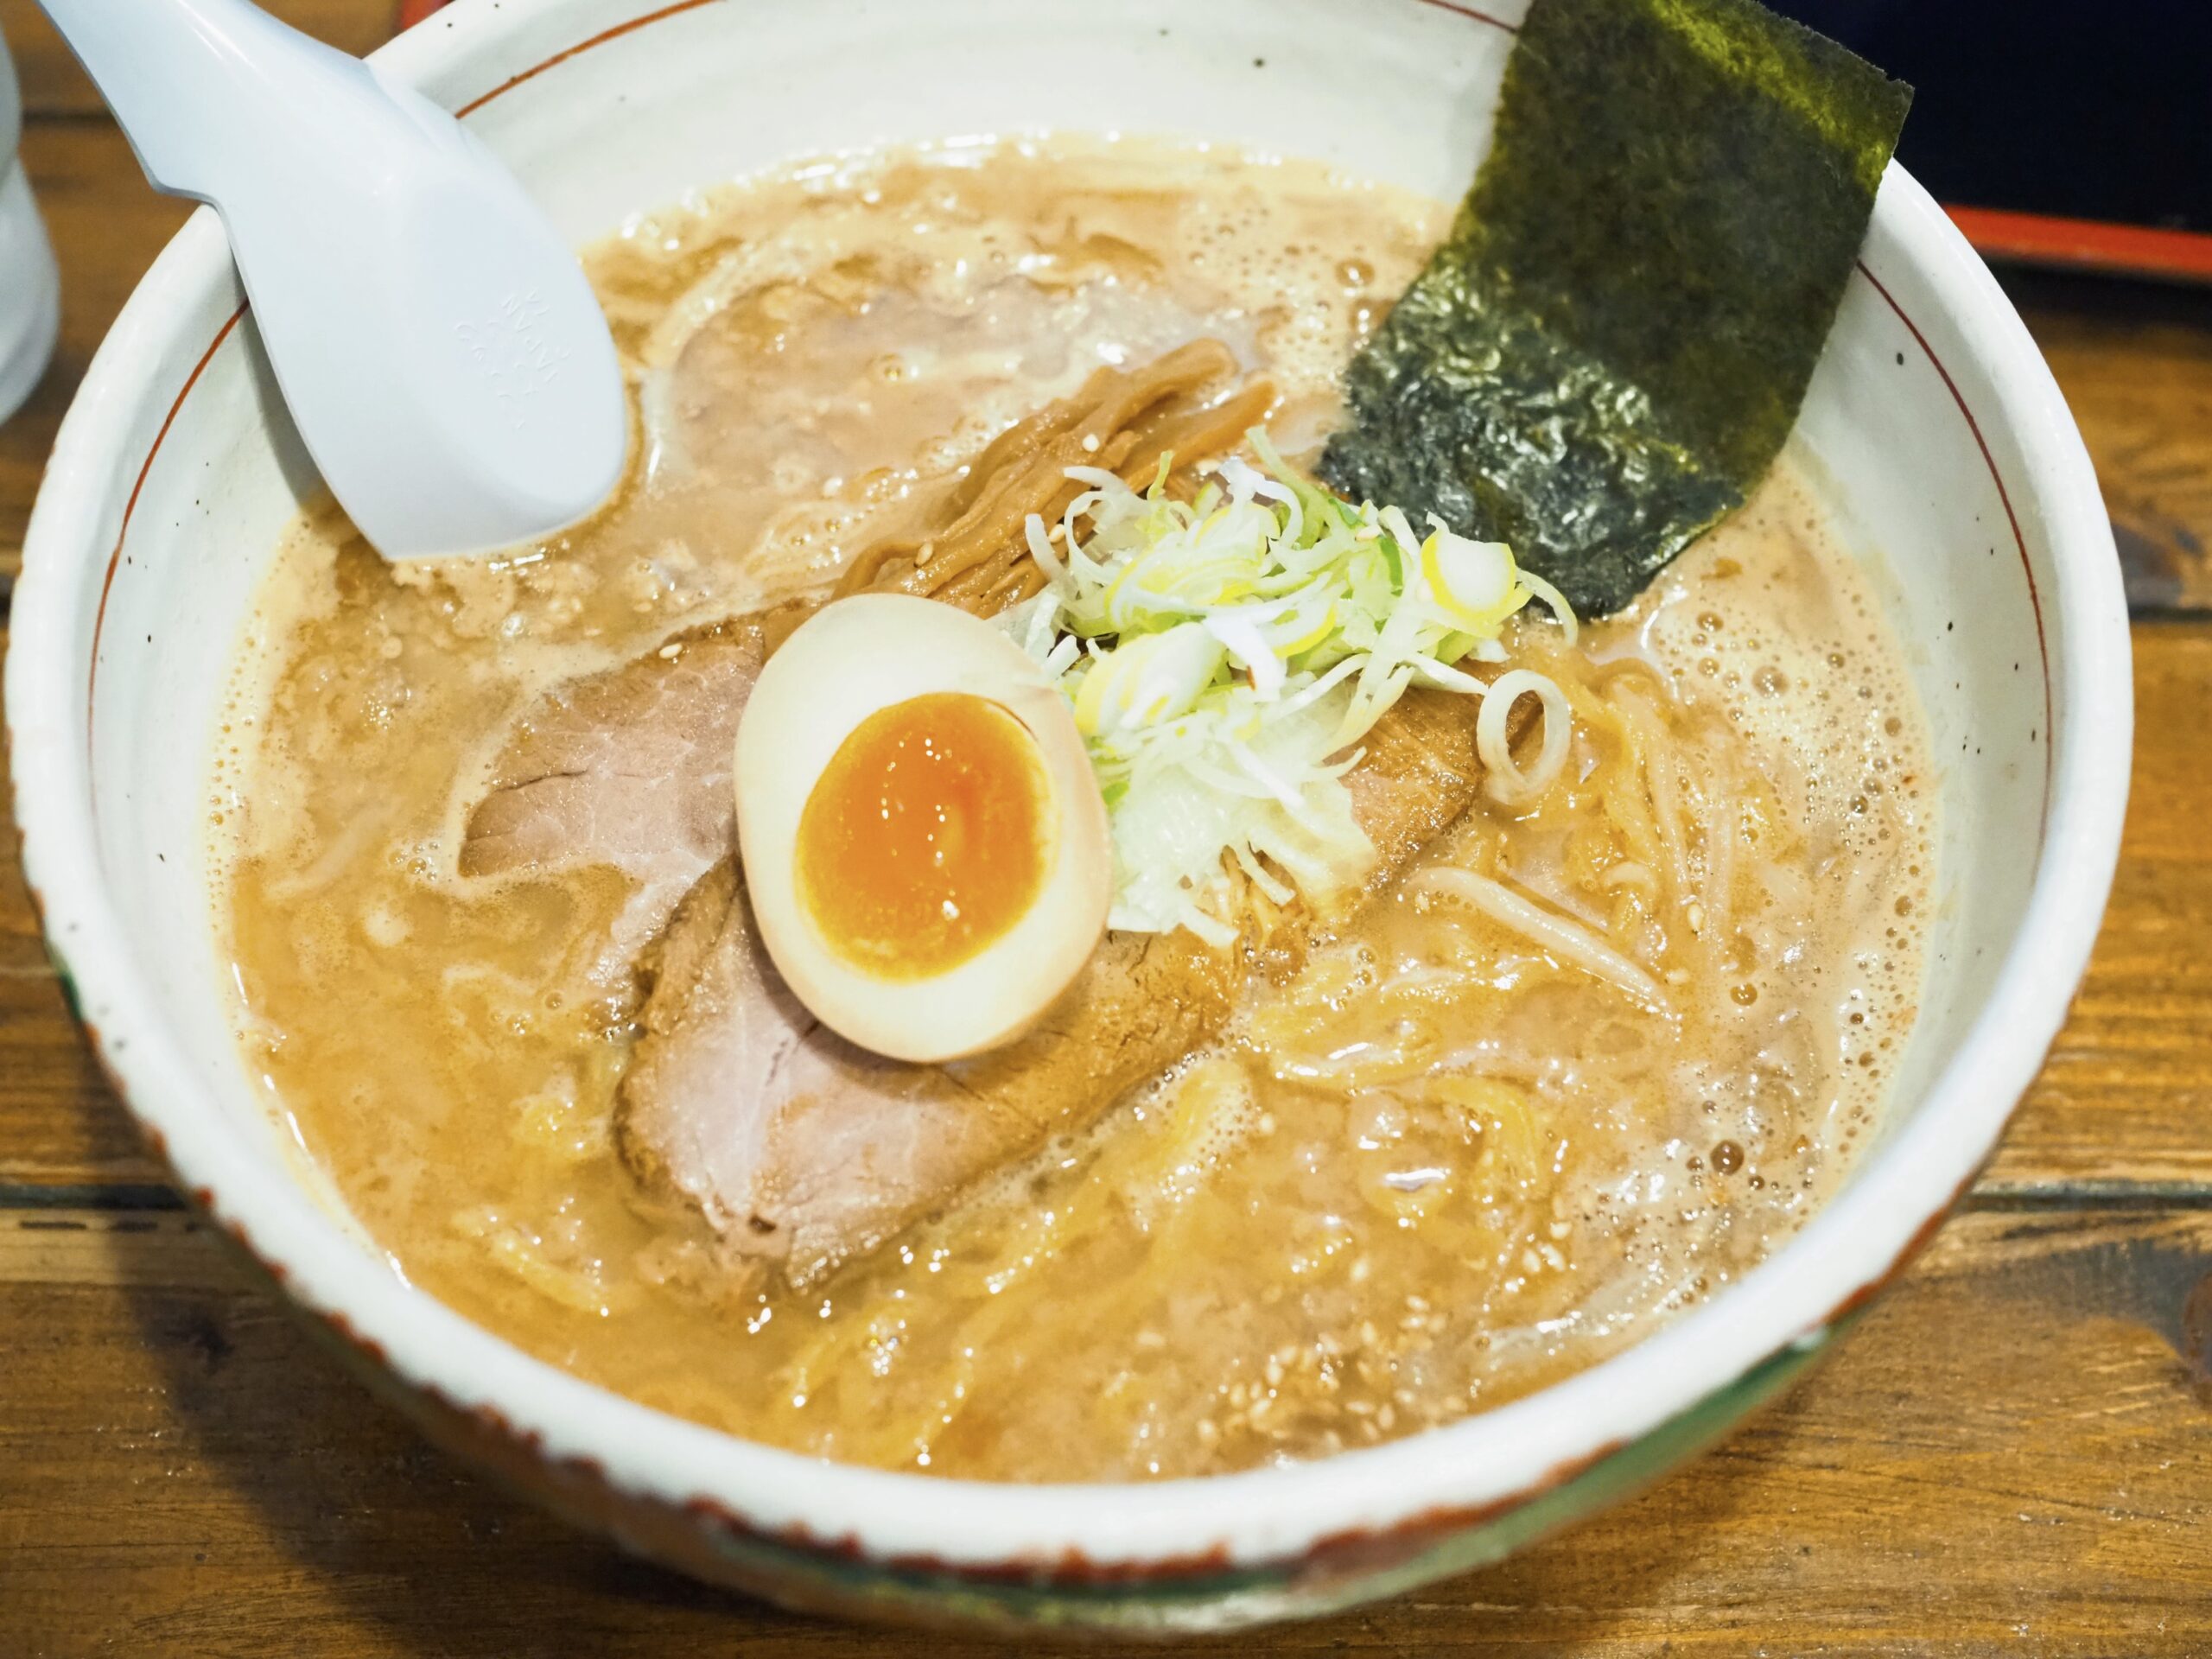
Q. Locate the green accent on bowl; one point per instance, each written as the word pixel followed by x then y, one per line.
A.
pixel 66 980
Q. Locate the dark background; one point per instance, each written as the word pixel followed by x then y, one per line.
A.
pixel 2085 110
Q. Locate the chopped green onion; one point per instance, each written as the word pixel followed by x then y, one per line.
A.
pixel 1224 657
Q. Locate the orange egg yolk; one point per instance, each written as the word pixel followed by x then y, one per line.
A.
pixel 925 837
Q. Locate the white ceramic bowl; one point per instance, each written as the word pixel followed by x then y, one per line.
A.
pixel 1952 463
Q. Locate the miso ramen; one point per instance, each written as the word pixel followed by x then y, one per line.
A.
pixel 1568 1059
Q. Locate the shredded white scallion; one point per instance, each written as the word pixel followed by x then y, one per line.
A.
pixel 1224 657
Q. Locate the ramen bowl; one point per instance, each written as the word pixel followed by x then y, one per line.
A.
pixel 1933 430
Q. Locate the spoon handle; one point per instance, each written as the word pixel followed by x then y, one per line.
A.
pixel 434 337
pixel 202 86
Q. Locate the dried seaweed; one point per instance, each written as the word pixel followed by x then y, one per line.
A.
pixel 1610 349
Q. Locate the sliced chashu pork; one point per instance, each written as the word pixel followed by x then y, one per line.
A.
pixel 802 1149
pixel 629 767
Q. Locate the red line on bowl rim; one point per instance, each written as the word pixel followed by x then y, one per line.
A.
pixel 579 49
pixel 115 558
pixel 1454 6
pixel 2019 541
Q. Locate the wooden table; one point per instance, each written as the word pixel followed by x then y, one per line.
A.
pixel 2010 1456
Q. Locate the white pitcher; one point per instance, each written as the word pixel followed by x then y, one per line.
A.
pixel 30 305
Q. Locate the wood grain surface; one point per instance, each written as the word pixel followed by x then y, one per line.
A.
pixel 2010 1456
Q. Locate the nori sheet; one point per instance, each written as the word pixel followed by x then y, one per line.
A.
pixel 1610 349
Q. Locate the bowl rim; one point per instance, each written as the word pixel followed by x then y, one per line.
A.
pixel 1479 1465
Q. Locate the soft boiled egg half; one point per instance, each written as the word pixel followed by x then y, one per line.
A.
pixel 923 842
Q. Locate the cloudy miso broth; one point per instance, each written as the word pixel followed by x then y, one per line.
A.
pixel 1445 1159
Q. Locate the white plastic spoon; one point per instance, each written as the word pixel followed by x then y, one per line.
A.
pixel 438 346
